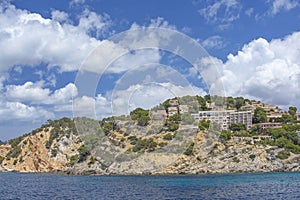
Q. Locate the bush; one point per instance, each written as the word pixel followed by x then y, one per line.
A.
pixel 144 144
pixel 225 135
pixel 83 153
pixel 237 127
pixel 92 161
pixel 283 154
pixel 168 136
pixel 189 150
pixel 235 159
pixel 133 139
pixel 73 160
pixel 53 152
pixel 252 156
pixel 172 125
pixel 203 124
pixel 141 116
pixel 14 153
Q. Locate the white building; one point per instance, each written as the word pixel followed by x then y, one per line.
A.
pixel 226 117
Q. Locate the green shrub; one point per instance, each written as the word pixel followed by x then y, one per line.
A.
pixel 83 153
pixel 283 154
pixel 14 153
pixel 53 152
pixel 73 160
pixel 92 161
pixel 225 135
pixel 189 150
pixel 235 159
pixel 168 136
pixel 252 156
pixel 144 144
pixel 141 116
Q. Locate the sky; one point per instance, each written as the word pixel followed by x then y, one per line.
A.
pixel 98 58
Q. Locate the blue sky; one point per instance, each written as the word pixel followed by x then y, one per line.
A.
pixel 254 46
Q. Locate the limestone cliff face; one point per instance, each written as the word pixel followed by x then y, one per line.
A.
pixel 188 151
pixel 31 154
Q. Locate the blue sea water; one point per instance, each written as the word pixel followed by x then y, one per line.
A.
pixel 227 186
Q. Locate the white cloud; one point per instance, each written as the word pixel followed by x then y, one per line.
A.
pixel 221 12
pixel 92 22
pixel 59 16
pixel 29 39
pixel 264 70
pixel 94 107
pixel 35 93
pixel 286 5
pixel 29 91
pixel 138 46
pixel 19 111
pixel 214 42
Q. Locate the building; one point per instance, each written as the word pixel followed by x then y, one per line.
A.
pixel 225 117
pixel 172 111
pixel 244 117
pixel 298 116
pixel 183 109
pixel 274 115
pixel 264 126
pixel 173 102
pixel 159 114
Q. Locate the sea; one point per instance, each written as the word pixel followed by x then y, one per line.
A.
pixel 213 186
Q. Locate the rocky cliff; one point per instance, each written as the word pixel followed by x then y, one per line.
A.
pixel 126 148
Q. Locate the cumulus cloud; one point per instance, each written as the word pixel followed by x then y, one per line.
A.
pixel 94 107
pixel 59 16
pixel 19 111
pixel 35 93
pixel 52 42
pixel 266 70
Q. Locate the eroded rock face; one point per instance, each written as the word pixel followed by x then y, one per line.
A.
pixel 34 154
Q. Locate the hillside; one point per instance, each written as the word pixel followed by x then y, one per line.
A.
pixel 172 138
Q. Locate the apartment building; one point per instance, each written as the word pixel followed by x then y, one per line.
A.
pixel 225 117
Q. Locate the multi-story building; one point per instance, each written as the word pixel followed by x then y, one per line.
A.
pixel 244 117
pixel 226 117
pixel 172 111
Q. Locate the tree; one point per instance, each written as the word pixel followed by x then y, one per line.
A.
pixel 237 127
pixel 202 103
pixel 141 116
pixel 260 115
pixel 292 111
pixel 203 124
pixel 207 98
pixel 187 118
pixel 230 102
pixel 287 118
pixel 219 101
pixel 239 102
pixel 225 135
pixel 255 130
